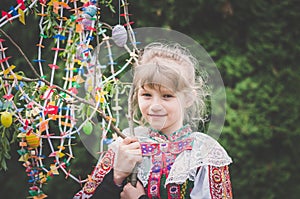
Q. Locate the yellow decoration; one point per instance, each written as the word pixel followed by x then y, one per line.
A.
pixel 103 93
pixel 54 117
pixel 66 124
pixel 76 78
pixel 79 79
pixel 43 177
pixel 51 2
pixel 22 16
pixel 33 140
pixel 21 135
pixel 6 119
pixel 24 158
pixel 52 103
pixel 100 96
pixel 6 71
pixel 84 1
pixel 54 169
pixel 64 5
pixel 18 77
pixel 60 154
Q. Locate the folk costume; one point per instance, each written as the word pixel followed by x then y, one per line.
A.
pixel 184 165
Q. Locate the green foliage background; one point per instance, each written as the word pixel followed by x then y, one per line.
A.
pixel 256 46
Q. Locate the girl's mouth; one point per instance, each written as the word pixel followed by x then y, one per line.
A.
pixel 157 115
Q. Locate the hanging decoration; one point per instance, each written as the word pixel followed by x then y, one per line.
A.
pixel 47 111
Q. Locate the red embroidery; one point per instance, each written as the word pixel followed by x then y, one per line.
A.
pixel 173 191
pixel 150 149
pixel 163 156
pixel 104 166
pixel 155 176
pixel 219 182
pixel 184 131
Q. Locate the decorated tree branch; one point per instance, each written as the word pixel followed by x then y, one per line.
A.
pixel 46 117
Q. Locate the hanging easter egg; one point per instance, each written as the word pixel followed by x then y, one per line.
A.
pixel 6 119
pixel 87 128
pixel 119 35
pixel 79 52
pixel 90 11
pixel 87 23
pixel 33 140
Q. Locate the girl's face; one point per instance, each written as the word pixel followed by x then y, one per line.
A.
pixel 161 108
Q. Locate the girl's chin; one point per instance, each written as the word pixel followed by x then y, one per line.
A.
pixel 157 125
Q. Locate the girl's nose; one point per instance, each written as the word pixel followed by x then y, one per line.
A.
pixel 156 104
pixel 155 107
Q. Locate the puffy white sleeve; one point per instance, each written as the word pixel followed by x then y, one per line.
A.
pixel 212 183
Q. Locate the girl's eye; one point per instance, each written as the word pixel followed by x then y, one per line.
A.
pixel 146 94
pixel 168 96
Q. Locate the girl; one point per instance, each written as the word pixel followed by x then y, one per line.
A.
pixel 173 162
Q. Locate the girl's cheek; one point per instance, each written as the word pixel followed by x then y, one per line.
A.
pixel 143 105
pixel 147 102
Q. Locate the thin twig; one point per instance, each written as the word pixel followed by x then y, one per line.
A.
pixel 20 50
pixel 133 179
pixel 24 79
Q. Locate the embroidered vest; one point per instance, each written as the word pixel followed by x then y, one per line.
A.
pixel 163 155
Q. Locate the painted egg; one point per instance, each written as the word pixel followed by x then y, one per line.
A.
pixel 90 10
pixel 119 35
pixel 6 119
pixel 88 128
pixel 33 140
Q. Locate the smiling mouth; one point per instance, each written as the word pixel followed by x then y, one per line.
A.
pixel 157 115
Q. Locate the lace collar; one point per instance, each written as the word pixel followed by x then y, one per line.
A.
pixel 181 133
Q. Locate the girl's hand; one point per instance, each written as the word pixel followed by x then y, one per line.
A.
pixel 131 192
pixel 129 153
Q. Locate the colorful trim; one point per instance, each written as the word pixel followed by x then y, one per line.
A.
pixel 150 149
pixel 102 168
pixel 181 133
pixel 219 181
pixel 163 157
pixel 174 191
pixel 155 176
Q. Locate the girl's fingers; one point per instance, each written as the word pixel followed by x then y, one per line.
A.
pixel 134 155
pixel 130 144
pixel 134 145
pixel 129 140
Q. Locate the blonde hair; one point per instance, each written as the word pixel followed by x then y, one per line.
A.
pixel 171 66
